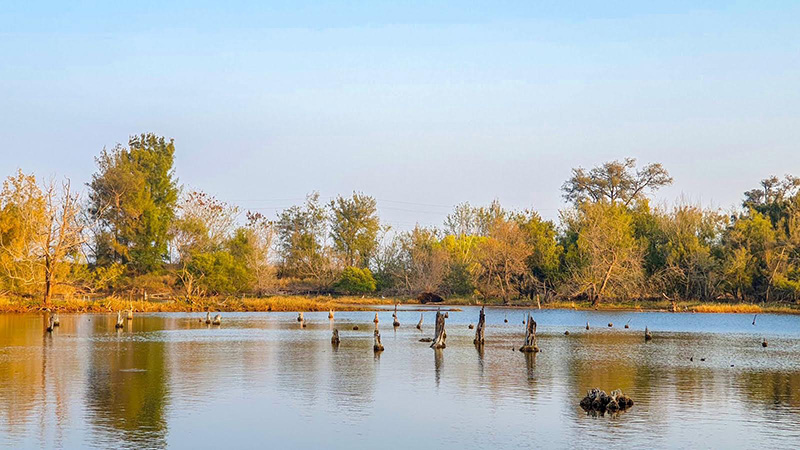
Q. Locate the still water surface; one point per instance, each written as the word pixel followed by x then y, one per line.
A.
pixel 261 381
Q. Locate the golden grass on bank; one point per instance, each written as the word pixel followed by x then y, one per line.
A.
pixel 728 308
pixel 275 303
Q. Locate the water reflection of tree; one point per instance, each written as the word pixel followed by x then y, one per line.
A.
pixel 36 375
pixel 127 391
pixel 771 388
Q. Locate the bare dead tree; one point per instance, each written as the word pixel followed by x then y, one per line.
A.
pixel 439 335
pixel 530 337
pixel 479 331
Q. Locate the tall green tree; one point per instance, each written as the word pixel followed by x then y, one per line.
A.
pixel 354 228
pixel 133 196
pixel 302 232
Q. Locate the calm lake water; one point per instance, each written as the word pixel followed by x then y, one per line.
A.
pixel 261 381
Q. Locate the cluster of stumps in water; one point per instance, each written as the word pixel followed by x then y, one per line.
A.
pixel 598 402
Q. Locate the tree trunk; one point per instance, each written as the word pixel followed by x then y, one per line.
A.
pixel 419 325
pixel 377 346
pixel 439 334
pixel 479 331
pixel 530 337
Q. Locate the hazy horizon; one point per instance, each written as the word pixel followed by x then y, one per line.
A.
pixel 422 106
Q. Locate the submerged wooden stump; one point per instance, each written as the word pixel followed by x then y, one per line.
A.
pixel 119 323
pixel 217 320
pixel 56 320
pixel 597 401
pixel 439 335
pixel 764 343
pixel 330 314
pixel 419 324
pixel 530 337
pixel 587 325
pixel 208 318
pixel 481 325
pixel 50 324
pixel 300 317
pixel 377 346
pixel 375 319
pixel 395 322
pixel 335 337
pixel 130 314
pixel 647 335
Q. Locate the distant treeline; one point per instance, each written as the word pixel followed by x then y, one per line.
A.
pixel 139 230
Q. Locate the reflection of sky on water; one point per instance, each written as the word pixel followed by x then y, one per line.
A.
pixel 260 379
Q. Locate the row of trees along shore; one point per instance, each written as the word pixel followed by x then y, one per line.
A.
pixel 138 230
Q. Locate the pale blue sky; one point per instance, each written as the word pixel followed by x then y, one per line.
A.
pixel 428 103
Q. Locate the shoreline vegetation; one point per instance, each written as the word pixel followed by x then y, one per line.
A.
pixel 322 303
pixel 138 234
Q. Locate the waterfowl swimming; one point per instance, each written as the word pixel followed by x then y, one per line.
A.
pixel 119 323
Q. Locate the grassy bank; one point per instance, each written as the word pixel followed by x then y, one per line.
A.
pixel 325 303
pixel 639 305
pixel 276 303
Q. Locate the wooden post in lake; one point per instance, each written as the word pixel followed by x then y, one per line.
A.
pixel 208 318
pixel 376 319
pixel 300 317
pixel 119 320
pixel 330 314
pixel 217 320
pixel 335 337
pixel 479 332
pixel 377 346
pixel 419 324
pixel 50 324
pixel 56 320
pixel 395 322
pixel 530 337
pixel 647 335
pixel 439 334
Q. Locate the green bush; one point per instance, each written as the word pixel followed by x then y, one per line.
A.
pixel 355 281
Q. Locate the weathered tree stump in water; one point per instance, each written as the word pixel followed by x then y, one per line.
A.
pixel 587 325
pixel 50 324
pixel 439 335
pixel 566 333
pixel 130 314
pixel 375 319
pixel 208 318
pixel 481 324
pixel 355 327
pixel 470 326
pixel 764 343
pixel 395 322
pixel 217 320
pixel 330 314
pixel 610 324
pixel 377 346
pixel 335 337
pixel 530 337
pixel 56 320
pixel 419 324
pixel 119 323
pixel 300 317
pixel 597 401
pixel 647 335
